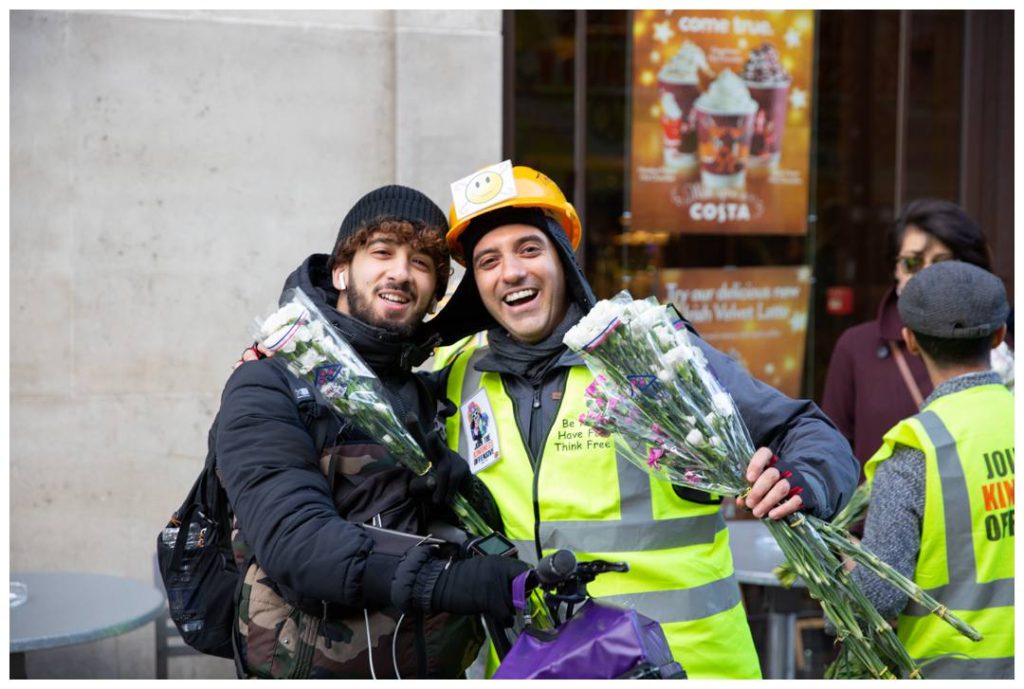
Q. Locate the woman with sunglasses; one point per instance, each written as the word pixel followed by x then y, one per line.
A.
pixel 872 380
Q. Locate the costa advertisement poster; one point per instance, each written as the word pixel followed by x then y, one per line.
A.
pixel 721 121
pixel 758 316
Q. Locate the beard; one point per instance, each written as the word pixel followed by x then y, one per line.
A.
pixel 359 307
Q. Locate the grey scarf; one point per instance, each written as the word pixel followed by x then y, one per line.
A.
pixel 532 361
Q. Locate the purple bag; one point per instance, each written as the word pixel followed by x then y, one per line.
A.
pixel 600 641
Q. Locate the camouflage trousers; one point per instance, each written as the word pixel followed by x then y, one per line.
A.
pixel 279 640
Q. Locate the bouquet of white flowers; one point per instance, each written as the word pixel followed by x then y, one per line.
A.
pixel 655 391
pixel 316 353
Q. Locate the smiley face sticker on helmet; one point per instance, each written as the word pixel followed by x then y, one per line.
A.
pixel 483 187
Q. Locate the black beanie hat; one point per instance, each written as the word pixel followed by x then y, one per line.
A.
pixel 394 202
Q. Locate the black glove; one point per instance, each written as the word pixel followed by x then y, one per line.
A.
pixel 418 580
pixel 479 585
pixel 450 472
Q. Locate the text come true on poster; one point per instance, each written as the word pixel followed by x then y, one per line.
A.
pixel 721 121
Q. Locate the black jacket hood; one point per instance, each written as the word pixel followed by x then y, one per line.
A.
pixel 382 350
pixel 464 314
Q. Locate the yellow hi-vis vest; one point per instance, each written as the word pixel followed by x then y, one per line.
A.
pixel 966 556
pixel 586 498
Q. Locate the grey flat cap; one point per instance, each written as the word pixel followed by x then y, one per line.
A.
pixel 954 300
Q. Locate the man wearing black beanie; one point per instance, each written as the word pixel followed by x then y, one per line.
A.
pixel 326 592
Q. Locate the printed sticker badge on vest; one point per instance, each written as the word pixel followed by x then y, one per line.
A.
pixel 479 428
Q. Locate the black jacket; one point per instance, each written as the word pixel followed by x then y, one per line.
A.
pixel 305 535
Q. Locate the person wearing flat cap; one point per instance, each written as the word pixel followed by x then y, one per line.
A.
pixel 941 508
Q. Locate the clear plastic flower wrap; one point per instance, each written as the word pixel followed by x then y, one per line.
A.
pixel 315 352
pixel 655 391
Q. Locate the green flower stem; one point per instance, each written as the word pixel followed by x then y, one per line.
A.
pixel 473 522
pixel 868 559
pixel 820 570
pixel 853 512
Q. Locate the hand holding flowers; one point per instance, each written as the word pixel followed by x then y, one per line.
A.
pixel 671 417
pixel 770 494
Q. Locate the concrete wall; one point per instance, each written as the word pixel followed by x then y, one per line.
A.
pixel 168 169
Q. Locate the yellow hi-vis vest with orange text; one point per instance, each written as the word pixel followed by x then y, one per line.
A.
pixel 586 498
pixel 966 556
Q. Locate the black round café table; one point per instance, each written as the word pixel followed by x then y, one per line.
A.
pixel 67 608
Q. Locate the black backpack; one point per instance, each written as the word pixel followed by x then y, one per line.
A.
pixel 199 571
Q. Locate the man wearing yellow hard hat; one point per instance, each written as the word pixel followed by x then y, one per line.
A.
pixel 515 232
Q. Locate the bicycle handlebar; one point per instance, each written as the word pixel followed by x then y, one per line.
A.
pixel 556 567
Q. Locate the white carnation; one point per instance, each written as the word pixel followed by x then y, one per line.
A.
pixel 283 317
pixel 309 360
pixel 679 354
pixel 316 330
pixel 665 335
pixel 698 357
pixel 723 403
pixel 695 437
pixel 635 309
pixel 592 325
pixel 304 333
pixel 649 319
pixel 665 375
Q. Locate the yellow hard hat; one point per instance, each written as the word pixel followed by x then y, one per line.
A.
pixel 532 190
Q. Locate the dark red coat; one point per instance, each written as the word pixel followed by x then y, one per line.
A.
pixel 865 395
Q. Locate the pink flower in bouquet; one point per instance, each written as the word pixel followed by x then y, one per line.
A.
pixel 653 455
pixel 594 389
pixel 598 423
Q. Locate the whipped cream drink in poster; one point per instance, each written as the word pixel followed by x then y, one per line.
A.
pixel 721 121
pixel 679 86
pixel 768 83
pixel 725 127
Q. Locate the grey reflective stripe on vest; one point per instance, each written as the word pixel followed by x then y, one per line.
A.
pixel 527 551
pixel 631 536
pixel 635 531
pixel 968 668
pixel 963 592
pixel 682 605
